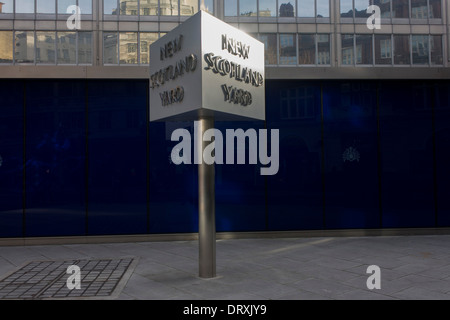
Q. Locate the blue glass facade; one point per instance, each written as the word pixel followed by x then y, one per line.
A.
pixel 78 157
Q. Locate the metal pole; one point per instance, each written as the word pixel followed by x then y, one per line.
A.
pixel 206 206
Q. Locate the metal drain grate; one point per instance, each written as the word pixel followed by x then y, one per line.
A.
pixel 48 279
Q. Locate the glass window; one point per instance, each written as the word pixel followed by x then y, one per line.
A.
pixel 436 50
pixel 286 9
pixel 420 49
pixel 230 8
pixel 128 7
pixel 361 8
pixel 24 6
pixel 288 48
pixel 347 49
pixel 306 9
pixel 188 7
pixel 346 8
pixel 110 7
pixel 323 49
pixel 267 8
pixel 67 47
pixel 385 7
pixel 147 38
pixel 168 7
pixel 207 5
pixel 148 7
pixel 85 48
pixel 364 49
pixel 247 8
pixel 110 48
pixel 306 49
pixel 400 9
pixel 383 49
pixel 45 47
pixel 63 5
pixel 270 47
pixel 419 9
pixel 401 49
pixel 85 6
pixel 6 6
pixel 24 46
pixel 128 48
pixel 323 8
pixel 45 6
pixel 435 9
pixel 6 46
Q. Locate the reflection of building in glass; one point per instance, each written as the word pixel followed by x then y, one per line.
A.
pixel 286 10
pixel 67 47
pixel 24 47
pixel 128 48
pixel 6 50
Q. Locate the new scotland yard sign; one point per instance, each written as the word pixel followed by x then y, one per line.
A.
pixel 206 68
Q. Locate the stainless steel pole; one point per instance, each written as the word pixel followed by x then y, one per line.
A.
pixel 206 206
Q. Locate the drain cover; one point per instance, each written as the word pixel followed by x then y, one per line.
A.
pixel 48 279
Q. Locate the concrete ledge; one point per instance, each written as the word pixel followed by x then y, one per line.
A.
pixel 222 236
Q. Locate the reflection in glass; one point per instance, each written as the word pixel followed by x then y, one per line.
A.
pixel 147 38
pixel 84 47
pixel 270 47
pixel 347 49
pixel 128 48
pixel 110 7
pixel 346 8
pixel 323 49
pixel 45 6
pixel 306 8
pixel 286 9
pixel 288 48
pixel 361 8
pixel 67 47
pixel 6 46
pixel 385 7
pixel 24 46
pixel 364 49
pixel 306 49
pixel 401 49
pixel 207 5
pixel 267 8
pixel 383 49
pixel 323 8
pixel 63 5
pixel 168 7
pixel 188 7
pixel 24 6
pixel 6 6
pixel 247 8
pixel 419 9
pixel 85 6
pixel 149 7
pixel 420 49
pixel 436 50
pixel 230 8
pixel 435 9
pixel 400 8
pixel 128 7
pixel 45 47
pixel 110 48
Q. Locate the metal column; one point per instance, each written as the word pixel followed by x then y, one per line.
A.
pixel 206 206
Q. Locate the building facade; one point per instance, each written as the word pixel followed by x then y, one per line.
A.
pixel 363 116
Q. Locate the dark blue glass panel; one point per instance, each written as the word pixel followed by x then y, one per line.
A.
pixel 442 121
pixel 240 188
pixel 406 154
pixel 117 157
pixel 294 195
pixel 173 188
pixel 351 157
pixel 11 158
pixel 55 158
